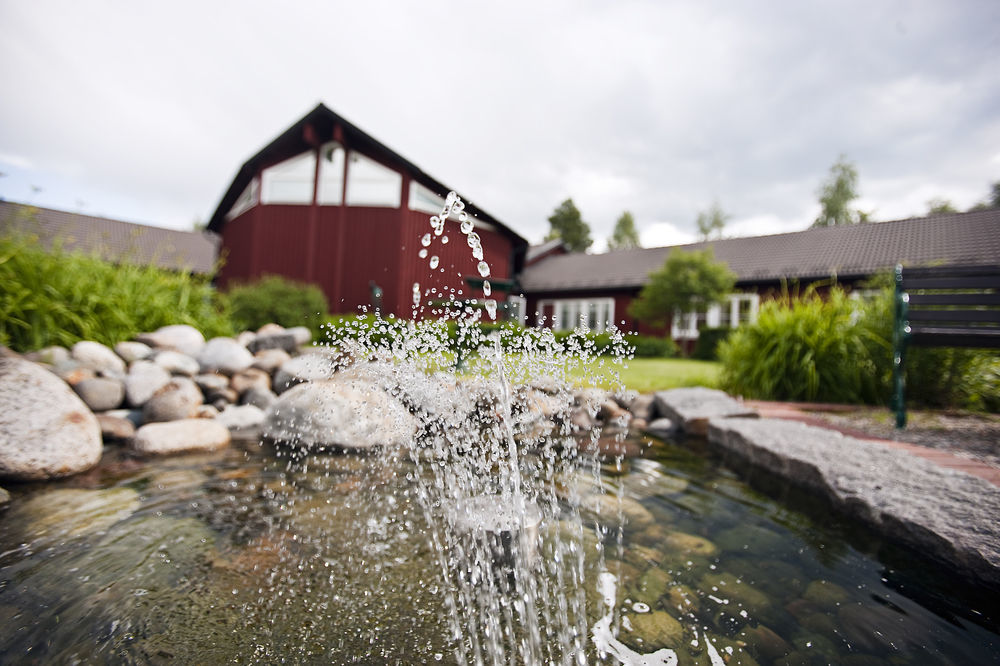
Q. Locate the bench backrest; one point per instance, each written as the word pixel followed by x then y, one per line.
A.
pixel 950 306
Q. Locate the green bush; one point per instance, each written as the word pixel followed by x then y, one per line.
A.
pixel 53 297
pixel 279 300
pixel 707 347
pixel 648 346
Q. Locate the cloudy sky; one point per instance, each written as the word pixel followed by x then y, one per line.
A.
pixel 144 111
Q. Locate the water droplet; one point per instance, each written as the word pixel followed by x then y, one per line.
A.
pixel 477 252
pixel 444 240
pixel 423 253
pixel 434 261
pixel 487 289
pixel 426 240
pixel 466 226
pixel 438 230
pixel 416 294
pixel 491 308
pixel 484 269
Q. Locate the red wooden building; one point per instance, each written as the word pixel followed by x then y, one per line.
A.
pixel 328 204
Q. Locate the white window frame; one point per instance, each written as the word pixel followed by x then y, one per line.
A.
pixel 277 174
pixel 247 199
pixel 330 185
pixel 519 306
pixel 684 325
pixel 575 309
pixel 356 194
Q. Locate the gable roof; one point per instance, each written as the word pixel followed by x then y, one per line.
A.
pixel 113 240
pixel 320 124
pixel 848 252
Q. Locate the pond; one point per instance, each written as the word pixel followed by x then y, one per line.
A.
pixel 254 555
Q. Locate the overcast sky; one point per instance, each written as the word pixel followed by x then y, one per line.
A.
pixel 144 111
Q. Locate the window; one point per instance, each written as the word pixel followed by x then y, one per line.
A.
pixel 246 200
pixel 331 175
pixel 424 199
pixel 735 310
pixel 372 184
pixel 516 309
pixel 596 314
pixel 290 181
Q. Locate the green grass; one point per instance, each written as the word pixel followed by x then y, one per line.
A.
pixel 658 374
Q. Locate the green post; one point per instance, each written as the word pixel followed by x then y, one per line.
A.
pixel 900 336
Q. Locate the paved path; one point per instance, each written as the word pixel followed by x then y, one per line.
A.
pixel 796 412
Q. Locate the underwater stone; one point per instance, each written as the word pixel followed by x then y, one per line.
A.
pixel 689 544
pixel 70 512
pixel 760 541
pixel 825 593
pixel 652 631
pixel 727 586
pixel 608 507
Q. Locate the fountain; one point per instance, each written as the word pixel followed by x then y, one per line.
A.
pixel 503 533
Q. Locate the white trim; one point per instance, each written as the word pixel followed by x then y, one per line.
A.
pixel 247 199
pixel 594 314
pixel 330 187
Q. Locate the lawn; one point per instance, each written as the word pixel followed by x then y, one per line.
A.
pixel 657 374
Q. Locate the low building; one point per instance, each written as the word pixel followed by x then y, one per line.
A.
pixel 326 203
pixel 563 290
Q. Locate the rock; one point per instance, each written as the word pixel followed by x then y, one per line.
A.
pixel 211 381
pixel 691 408
pixel 259 397
pixel 689 544
pixel 275 340
pixel 949 516
pixel 53 355
pixel 727 586
pixel 133 351
pixel 97 357
pixel 348 411
pixel 662 428
pixel 581 419
pixel 46 431
pixel 224 355
pixel 244 380
pixel 766 642
pixel 609 507
pixel 115 428
pixel 72 372
pixel 302 335
pixel 825 594
pixel 651 586
pixel 611 411
pixel 206 412
pixel 306 368
pixel 100 394
pixel 133 416
pixel 752 539
pixel 180 337
pixel 226 395
pixel 653 631
pixel 642 407
pixel 638 425
pixel 177 363
pixel 70 512
pixel 181 437
pixel 245 419
pixel 4 496
pixel 270 329
pixel 269 360
pixel 245 338
pixel 178 399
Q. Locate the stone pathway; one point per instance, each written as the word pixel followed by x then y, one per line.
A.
pixel 801 412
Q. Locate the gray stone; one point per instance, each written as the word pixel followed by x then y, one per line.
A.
pixel 306 368
pixel 206 412
pixel 226 395
pixel 243 381
pixel 278 340
pixel 179 337
pixel 182 436
pixel 134 416
pixel 99 358
pixel 4 496
pixel 663 428
pixel 49 355
pixel 302 335
pixel 143 380
pixel 115 428
pixel 610 410
pixel 177 363
pixel 224 355
pixel 642 407
pixel 62 513
pixel 270 360
pixel 133 351
pixel 46 431
pixel 245 338
pixel 72 372
pixel 178 399
pixel 691 408
pixel 100 393
pixel 349 411
pixel 211 382
pixel 245 420
pixel 258 397
pixel 271 328
pixel 946 514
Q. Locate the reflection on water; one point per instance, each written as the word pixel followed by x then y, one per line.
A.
pixel 253 556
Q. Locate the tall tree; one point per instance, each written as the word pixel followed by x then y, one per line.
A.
pixel 567 224
pixel 625 236
pixel 836 195
pixel 940 206
pixel 686 280
pixel 711 222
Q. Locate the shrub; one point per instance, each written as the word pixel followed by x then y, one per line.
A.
pixel 53 297
pixel 707 347
pixel 279 300
pixel 648 346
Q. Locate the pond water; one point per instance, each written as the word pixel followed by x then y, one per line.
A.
pixel 253 556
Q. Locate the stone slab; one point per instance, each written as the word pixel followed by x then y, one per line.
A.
pixel 691 408
pixel 946 514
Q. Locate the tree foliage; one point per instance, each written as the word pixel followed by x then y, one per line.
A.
pixel 273 298
pixel 625 236
pixel 567 224
pixel 940 206
pixel 836 195
pixel 686 280
pixel 993 201
pixel 711 222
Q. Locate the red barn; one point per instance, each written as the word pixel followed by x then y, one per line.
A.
pixel 328 204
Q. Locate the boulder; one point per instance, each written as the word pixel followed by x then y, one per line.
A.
pixel 97 357
pixel 177 363
pixel 115 428
pixel 182 436
pixel 46 431
pixel 133 351
pixel 258 397
pixel 178 399
pixel 270 360
pixel 348 411
pixel 179 337
pixel 100 393
pixel 691 408
pixel 243 381
pixel 224 355
pixel 143 380
pixel 244 420
pixel 642 407
pixel 305 368
pixel 276 340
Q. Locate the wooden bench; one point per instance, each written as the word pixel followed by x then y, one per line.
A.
pixel 943 306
